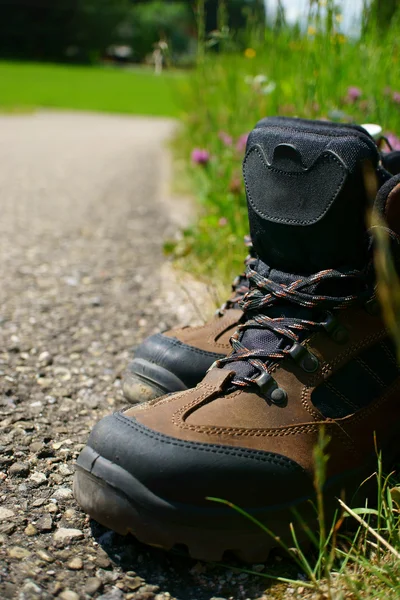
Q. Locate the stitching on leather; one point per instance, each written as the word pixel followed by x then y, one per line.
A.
pixel 375 405
pixel 339 394
pixel 370 371
pixel 258 455
pixel 391 357
pixel 309 407
pixel 329 366
pixel 257 149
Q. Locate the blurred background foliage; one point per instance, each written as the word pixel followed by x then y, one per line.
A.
pixel 83 30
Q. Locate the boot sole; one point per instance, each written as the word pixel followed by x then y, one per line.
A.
pixel 114 498
pixel 144 381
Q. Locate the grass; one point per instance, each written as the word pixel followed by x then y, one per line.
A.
pixel 28 86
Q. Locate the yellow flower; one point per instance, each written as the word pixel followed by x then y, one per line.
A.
pixel 311 30
pixel 341 38
pixel 250 53
pixel 339 18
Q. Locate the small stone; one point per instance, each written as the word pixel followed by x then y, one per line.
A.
pixel 19 469
pixel 75 564
pixel 133 583
pixel 36 447
pixel 5 513
pixel 7 528
pixel 45 556
pixel 52 508
pixel 30 530
pixel 31 591
pixel 38 478
pixel 65 470
pixel 45 523
pixel 45 358
pixel 64 534
pixel 92 586
pixel 63 493
pixel 102 561
pixel 68 595
pixel 18 552
pixel 113 594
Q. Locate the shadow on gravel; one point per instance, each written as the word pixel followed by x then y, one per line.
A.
pixel 188 579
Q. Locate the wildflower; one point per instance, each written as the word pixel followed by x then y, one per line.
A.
pixel 393 140
pixel 200 156
pixel 257 83
pixel 223 221
pixel 259 79
pixel 241 142
pixel 311 30
pixel 250 53
pixel 339 18
pixel 341 38
pixel 225 138
pixel 353 93
pixel 269 88
pixel 396 97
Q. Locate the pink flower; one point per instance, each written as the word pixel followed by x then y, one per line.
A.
pixel 393 140
pixel 241 142
pixel 396 97
pixel 223 221
pixel 200 156
pixel 225 138
pixel 353 93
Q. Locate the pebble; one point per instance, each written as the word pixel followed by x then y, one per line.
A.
pixel 45 358
pixel 45 556
pixel 30 530
pixel 75 564
pixel 64 534
pixel 5 513
pixel 45 523
pixel 31 591
pixel 38 478
pixel 68 595
pixel 102 561
pixel 63 493
pixel 19 469
pixel 18 552
pixel 92 585
pixel 114 594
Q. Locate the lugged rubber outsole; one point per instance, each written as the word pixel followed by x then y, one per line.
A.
pixel 114 498
pixel 144 381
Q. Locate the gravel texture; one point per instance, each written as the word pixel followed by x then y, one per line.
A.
pixel 84 211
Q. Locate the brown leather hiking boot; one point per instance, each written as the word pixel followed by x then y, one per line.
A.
pixel 178 359
pixel 312 354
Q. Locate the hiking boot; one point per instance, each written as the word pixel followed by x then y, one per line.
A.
pixel 312 355
pixel 178 359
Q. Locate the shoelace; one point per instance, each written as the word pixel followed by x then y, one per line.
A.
pixel 240 285
pixel 265 293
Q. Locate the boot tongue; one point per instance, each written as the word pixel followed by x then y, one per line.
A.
pixel 308 186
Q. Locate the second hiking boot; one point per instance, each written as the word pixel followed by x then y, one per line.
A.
pixel 178 359
pixel 313 354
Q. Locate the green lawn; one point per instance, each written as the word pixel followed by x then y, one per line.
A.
pixel 26 86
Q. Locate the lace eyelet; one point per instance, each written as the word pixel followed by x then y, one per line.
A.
pixel 270 389
pixel 335 330
pixel 304 358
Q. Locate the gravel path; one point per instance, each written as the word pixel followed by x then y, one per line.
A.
pixel 84 211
